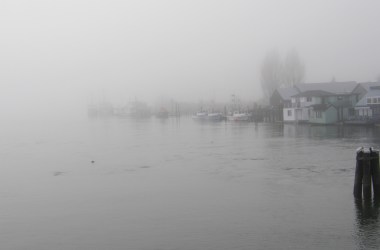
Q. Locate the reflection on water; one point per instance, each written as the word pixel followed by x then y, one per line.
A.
pixel 327 132
pixel 367 223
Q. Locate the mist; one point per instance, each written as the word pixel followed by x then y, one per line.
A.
pixel 60 53
pixel 242 176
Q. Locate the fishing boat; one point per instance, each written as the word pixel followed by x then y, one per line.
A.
pixel 238 116
pixel 204 116
pixel 215 117
pixel 200 116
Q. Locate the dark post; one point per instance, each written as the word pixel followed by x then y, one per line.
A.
pixel 358 174
pixel 367 173
pixel 367 180
pixel 375 171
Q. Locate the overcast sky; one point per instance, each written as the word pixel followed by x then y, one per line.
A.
pixel 59 52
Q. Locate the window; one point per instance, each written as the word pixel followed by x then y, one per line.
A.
pixel 374 100
pixel 318 114
pixel 340 98
pixel 368 100
pixel 376 111
pixel 289 113
pixel 308 99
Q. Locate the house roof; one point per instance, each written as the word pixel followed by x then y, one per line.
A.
pixel 371 93
pixel 368 85
pixel 287 93
pixel 311 93
pixel 336 88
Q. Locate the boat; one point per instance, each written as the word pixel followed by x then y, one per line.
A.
pixel 200 116
pixel 239 116
pixel 208 117
pixel 236 114
pixel 162 113
pixel 215 117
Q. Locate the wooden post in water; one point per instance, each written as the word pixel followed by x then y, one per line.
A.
pixel 367 172
pixel 367 180
pixel 358 174
pixel 375 172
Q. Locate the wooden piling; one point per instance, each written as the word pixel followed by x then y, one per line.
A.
pixel 367 173
pixel 358 174
pixel 367 178
pixel 375 172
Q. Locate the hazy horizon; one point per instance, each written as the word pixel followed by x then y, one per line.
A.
pixel 60 54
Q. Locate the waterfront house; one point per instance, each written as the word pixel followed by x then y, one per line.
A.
pixel 299 111
pixel 363 88
pixel 280 99
pixel 323 114
pixel 367 110
pixel 322 103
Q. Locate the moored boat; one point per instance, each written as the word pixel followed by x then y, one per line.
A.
pixel 205 116
pixel 215 117
pixel 238 116
pixel 200 116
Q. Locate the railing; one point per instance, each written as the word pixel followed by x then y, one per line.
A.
pixel 296 105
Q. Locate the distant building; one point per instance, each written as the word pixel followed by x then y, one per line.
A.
pixel 363 88
pixel 320 103
pixel 280 99
pixel 367 110
pixel 302 104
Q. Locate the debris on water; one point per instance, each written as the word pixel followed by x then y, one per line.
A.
pixel 145 166
pixel 310 168
pixel 92 162
pixel 249 159
pixel 341 170
pixel 58 173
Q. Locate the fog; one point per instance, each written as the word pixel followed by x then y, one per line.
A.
pixel 55 56
pixel 117 178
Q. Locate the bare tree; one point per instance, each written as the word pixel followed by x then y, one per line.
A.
pixel 294 69
pixel 276 73
pixel 271 73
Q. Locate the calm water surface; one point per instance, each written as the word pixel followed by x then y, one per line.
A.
pixel 178 184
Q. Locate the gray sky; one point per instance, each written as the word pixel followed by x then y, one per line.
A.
pixel 56 53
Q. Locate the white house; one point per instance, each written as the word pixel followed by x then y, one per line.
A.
pixel 299 110
pixel 311 94
pixel 368 107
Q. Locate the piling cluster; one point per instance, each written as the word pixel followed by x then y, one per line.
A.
pixel 367 173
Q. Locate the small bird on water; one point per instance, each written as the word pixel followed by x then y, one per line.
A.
pixel 92 162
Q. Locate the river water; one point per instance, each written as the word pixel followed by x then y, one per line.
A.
pixel 178 184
